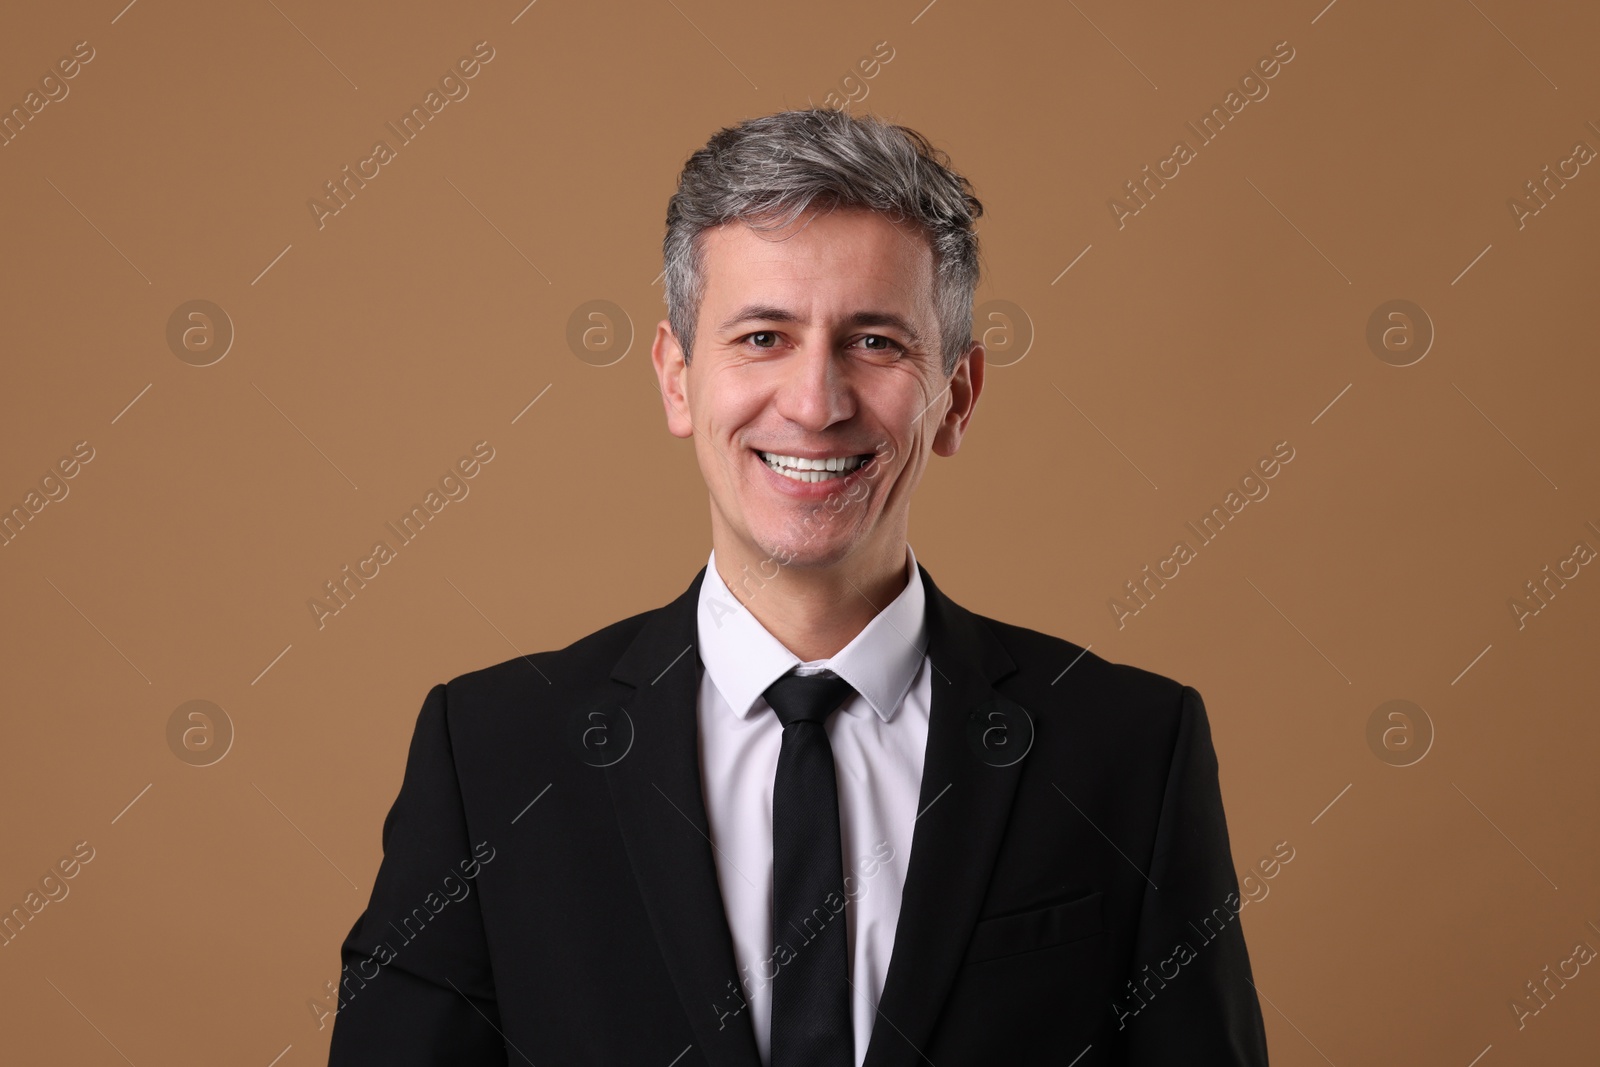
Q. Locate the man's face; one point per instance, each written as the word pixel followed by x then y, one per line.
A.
pixel 818 341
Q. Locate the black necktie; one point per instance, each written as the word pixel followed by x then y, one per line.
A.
pixel 811 1024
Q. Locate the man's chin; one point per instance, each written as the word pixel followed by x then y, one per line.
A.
pixel 815 554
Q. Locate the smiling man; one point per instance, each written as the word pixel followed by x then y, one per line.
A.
pixel 818 389
pixel 812 813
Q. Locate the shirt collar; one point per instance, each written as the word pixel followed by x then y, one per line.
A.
pixel 742 657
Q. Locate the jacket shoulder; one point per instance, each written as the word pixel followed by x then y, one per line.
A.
pixel 1126 716
pixel 586 661
pixel 1069 668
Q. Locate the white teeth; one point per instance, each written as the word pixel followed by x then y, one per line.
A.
pixel 812 470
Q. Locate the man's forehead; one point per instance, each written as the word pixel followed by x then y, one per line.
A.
pixel 860 250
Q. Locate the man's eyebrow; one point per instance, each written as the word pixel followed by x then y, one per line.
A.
pixel 758 312
pixel 773 313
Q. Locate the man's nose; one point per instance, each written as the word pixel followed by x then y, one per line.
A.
pixel 815 390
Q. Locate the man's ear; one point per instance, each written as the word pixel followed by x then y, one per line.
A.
pixel 672 374
pixel 965 385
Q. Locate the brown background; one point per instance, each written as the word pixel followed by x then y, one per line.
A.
pixel 1228 315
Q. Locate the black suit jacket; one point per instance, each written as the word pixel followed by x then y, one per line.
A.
pixel 543 901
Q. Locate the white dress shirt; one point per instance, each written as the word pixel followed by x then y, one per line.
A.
pixel 878 736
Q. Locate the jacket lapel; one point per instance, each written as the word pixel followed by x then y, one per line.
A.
pixel 968 779
pixel 964 802
pixel 655 789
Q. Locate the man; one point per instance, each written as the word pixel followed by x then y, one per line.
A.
pixel 812 812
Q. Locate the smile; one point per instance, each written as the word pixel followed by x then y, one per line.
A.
pixel 799 469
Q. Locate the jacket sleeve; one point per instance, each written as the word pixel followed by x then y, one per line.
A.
pixel 416 986
pixel 1189 996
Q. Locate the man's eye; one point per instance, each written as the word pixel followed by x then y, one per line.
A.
pixel 755 338
pixel 885 344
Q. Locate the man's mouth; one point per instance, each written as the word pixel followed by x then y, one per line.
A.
pixel 814 470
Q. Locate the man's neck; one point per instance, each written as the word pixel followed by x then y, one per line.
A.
pixel 814 613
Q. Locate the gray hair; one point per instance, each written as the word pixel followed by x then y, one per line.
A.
pixel 768 171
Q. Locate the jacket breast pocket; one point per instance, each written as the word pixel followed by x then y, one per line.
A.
pixel 1036 928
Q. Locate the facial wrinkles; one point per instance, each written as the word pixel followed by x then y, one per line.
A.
pixel 910 429
pixel 852 401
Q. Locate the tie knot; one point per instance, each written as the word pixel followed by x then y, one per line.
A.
pixel 807 697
